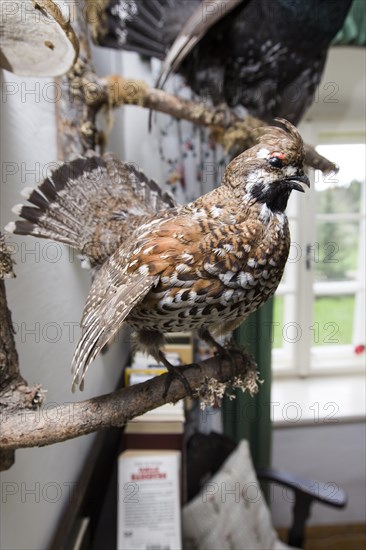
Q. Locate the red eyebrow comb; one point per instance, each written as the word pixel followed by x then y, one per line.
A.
pixel 281 156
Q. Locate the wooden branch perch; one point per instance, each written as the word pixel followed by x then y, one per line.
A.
pixel 31 429
pixel 235 136
pixel 15 394
pixel 37 38
pixel 76 114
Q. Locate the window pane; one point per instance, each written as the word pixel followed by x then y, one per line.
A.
pixel 338 196
pixel 335 253
pixel 338 213
pixel 340 193
pixel 333 320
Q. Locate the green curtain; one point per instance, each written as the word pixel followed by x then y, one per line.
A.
pixel 249 417
pixel 353 31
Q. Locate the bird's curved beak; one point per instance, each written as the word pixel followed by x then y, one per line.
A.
pixel 297 182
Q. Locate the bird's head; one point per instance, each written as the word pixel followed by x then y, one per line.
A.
pixel 269 171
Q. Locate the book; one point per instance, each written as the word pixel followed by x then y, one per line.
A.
pixel 161 428
pixel 154 435
pixel 180 343
pixel 149 515
pixel 134 375
pixel 143 368
pixel 178 350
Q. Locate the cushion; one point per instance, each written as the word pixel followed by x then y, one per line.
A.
pixel 230 511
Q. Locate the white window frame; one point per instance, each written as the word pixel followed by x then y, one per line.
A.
pixel 298 357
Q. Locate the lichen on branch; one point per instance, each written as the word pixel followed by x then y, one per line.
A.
pixel 15 394
pixel 115 409
pixel 236 134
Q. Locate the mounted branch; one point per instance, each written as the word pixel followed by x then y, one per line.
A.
pixel 208 379
pixel 37 38
pixel 15 394
pixel 76 115
pixel 236 135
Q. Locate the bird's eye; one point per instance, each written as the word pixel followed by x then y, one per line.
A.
pixel 276 162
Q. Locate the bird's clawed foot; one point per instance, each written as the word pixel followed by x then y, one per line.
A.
pixel 173 372
pixel 223 353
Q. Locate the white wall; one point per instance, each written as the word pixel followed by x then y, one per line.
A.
pixel 127 128
pixel 330 454
pixel 140 145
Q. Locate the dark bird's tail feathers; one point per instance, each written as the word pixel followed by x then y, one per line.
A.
pixel 146 27
pixel 91 204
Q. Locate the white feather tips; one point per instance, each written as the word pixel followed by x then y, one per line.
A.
pixel 17 209
pixel 143 270
pixel 10 227
pixel 85 263
pixel 26 192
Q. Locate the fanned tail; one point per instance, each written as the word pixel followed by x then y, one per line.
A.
pixel 145 27
pixel 91 204
pixel 60 204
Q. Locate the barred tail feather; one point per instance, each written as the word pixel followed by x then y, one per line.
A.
pixel 90 204
pixel 43 222
pixel 145 27
pixel 59 203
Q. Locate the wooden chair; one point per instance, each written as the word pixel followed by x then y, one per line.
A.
pixel 207 452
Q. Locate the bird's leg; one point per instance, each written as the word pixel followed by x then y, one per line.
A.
pixel 205 335
pixel 222 352
pixel 151 341
pixel 173 373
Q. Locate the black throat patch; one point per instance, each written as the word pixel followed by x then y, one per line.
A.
pixel 275 197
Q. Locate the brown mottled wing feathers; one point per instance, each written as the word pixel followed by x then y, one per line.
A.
pixel 118 288
pixel 105 317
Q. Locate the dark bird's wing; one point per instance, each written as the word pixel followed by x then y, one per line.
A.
pixel 92 204
pixel 274 55
pixel 202 19
pixel 265 56
pixel 147 27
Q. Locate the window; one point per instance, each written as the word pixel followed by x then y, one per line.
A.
pixel 319 312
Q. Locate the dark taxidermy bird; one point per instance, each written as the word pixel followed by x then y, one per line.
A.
pixel 264 55
pixel 163 268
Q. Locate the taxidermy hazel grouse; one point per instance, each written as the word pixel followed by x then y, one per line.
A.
pixel 203 267
pixel 265 55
